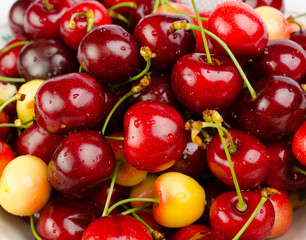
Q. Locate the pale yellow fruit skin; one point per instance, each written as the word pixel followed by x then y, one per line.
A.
pixel 24 186
pixel 25 108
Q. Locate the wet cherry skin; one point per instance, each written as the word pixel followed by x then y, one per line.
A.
pixel 299 37
pixel 81 163
pixel 63 103
pixel 278 4
pixel 299 144
pixel 154 136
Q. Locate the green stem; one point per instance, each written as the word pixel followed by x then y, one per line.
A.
pixel 300 15
pixel 80 69
pixel 291 19
pixel 124 201
pixel 123 4
pixel 155 6
pixel 114 138
pixel 120 17
pixel 202 32
pixel 90 19
pixel 48 5
pixel 110 192
pixel 132 210
pixel 163 6
pixel 298 169
pixel 33 228
pixel 13 125
pixel 9 79
pixel 241 205
pixel 11 46
pixel 7 102
pixel 205 134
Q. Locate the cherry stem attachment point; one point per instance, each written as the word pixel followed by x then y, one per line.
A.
pixel 298 169
pixel 291 19
pixel 90 19
pixel 16 97
pixel 266 193
pixel 155 6
pixel 13 80
pixel 48 5
pixel 33 228
pixel 11 46
pixel 122 4
pixel 110 192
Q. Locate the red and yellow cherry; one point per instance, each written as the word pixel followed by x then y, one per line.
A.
pixel 181 200
pixel 299 144
pixel 278 4
pixel 177 5
pixel 278 27
pixel 193 231
pixel 24 186
pixel 240 27
pixel 154 136
pixel 126 227
pixel 81 163
pixel 63 103
pixel 6 155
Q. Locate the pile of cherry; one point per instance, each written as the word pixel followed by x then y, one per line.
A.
pixel 138 119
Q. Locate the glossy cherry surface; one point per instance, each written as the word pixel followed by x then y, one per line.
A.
pixel 66 219
pixel 144 8
pixel 281 57
pixel 69 102
pixel 278 110
pixel 110 53
pixel 73 37
pixel 81 163
pixel 154 136
pixel 4 131
pixel 126 227
pixel 153 31
pixel 226 220
pixel 193 231
pixel 199 85
pixel 45 58
pixel 240 27
pixel 299 37
pixel 278 4
pixel 299 144
pixel 251 161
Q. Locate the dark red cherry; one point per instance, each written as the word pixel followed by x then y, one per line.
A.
pixel 282 175
pixel 194 231
pixel 45 58
pixel 65 219
pixel 251 161
pixel 154 136
pixel 278 110
pixel 226 220
pixel 278 4
pixel 240 27
pixel 110 53
pixel 38 142
pixel 73 37
pixel 126 227
pixel 16 16
pixel 41 22
pixel 281 57
pixel 299 36
pixel 199 85
pixel 122 10
pixel 144 8
pixel 153 31
pixel 81 163
pixel 69 102
pixel 4 131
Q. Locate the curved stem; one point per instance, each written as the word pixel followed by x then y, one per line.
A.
pixel 114 138
pixel 11 46
pixel 14 80
pixel 124 201
pixel 291 19
pixel 202 32
pixel 123 4
pixel 110 192
pixel 33 228
pixel 120 17
pixel 90 19
pixel 155 6
pixel 241 205
pixel 16 97
pixel 48 5
pixel 163 5
pixel 133 210
pixel 298 169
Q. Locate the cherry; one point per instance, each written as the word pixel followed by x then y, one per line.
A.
pixel 63 103
pixel 38 142
pixel 144 8
pixel 65 218
pixel 110 53
pixel 299 144
pixel 81 163
pixel 45 58
pixel 193 231
pixel 6 154
pixel 42 19
pixel 299 37
pixel 199 85
pixel 282 174
pixel 72 37
pixel 278 4
pixel 281 57
pixel 251 160
pixel 240 27
pixel 154 136
pixel 278 110
pixel 4 131
pixel 153 31
pixel 7 91
pixel 125 11
pixel 126 227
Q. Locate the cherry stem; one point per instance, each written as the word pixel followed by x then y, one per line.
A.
pixel 186 14
pixel 90 19
pixel 10 79
pixel 123 4
pixel 110 192
pixel 16 97
pixel 120 17
pixel 33 228
pixel 202 32
pixel 124 201
pixel 300 15
pixel 114 138
pixel 48 5
pixel 132 210
pixel 266 193
pixel 155 6
pixel 80 69
pixel 144 82
pixel 163 5
pixel 291 19
pixel 14 125
pixel 298 169
pixel 11 46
